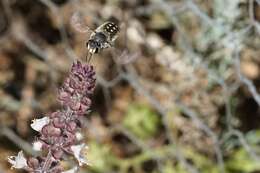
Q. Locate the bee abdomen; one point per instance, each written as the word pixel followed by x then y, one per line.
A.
pixel 111 28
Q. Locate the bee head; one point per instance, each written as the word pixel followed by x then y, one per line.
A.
pixel 93 46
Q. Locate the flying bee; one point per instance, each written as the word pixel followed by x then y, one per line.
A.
pixel 101 38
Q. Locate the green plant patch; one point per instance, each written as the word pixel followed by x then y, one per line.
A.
pixel 142 121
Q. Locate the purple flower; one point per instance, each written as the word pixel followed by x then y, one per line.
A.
pixel 58 131
pixel 75 92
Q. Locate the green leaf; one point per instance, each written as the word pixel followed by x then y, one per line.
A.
pixel 241 161
pixel 100 157
pixel 141 121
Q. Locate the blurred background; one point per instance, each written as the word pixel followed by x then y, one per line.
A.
pixel 179 92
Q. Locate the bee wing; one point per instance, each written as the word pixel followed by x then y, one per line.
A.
pixel 101 27
pixel 79 24
pixel 127 58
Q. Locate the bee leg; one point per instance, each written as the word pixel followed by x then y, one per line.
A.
pixel 109 44
pixel 88 57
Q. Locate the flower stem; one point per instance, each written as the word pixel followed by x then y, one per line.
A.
pixel 47 163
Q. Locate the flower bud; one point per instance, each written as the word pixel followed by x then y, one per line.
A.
pixel 33 162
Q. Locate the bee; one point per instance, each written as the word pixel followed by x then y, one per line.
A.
pixel 101 38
